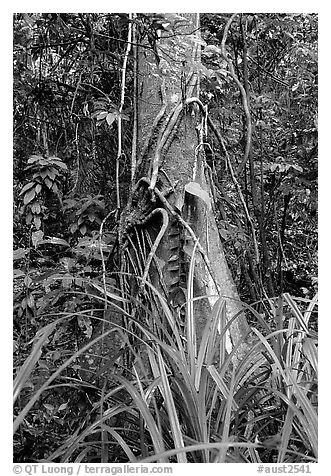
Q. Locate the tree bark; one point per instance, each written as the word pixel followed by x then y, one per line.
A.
pixel 171 156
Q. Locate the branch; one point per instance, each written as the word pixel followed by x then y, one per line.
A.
pixel 119 117
pixel 243 95
pixel 236 184
pixel 135 106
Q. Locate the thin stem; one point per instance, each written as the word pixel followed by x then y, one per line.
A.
pixel 135 105
pixel 235 181
pixel 119 117
pixel 244 98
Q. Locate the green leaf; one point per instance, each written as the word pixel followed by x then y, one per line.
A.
pixel 30 362
pixel 55 188
pixel 67 281
pixel 297 167
pixel 49 182
pixel 179 203
pixel 224 233
pixel 37 221
pixel 194 188
pixel 27 187
pixel 61 164
pixel 36 237
pixel 111 118
pixel 35 208
pixel 62 407
pixel 101 115
pixel 27 281
pixel 34 158
pixel 56 241
pixel 18 273
pixel 58 163
pixel 83 229
pixel 29 196
pixel 51 172
pixel 20 253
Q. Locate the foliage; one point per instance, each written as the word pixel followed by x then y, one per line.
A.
pixel 193 399
pixel 84 214
pixel 45 176
pixel 274 57
pixel 104 374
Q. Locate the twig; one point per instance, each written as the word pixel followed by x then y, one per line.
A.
pixel 75 93
pixel 244 98
pixel 102 256
pixel 278 80
pixel 97 89
pixel 283 257
pixel 103 272
pixel 78 159
pixel 135 105
pixel 119 117
pixel 236 184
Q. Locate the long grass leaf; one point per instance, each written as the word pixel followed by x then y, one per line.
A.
pixel 146 414
pixel 172 413
pixel 28 366
pixel 227 420
pixel 121 442
pixel 310 351
pixel 35 397
pixel 296 312
pixel 225 391
pixel 309 413
pixel 271 351
pixel 188 404
pixel 310 308
pixel 198 447
pixel 207 347
pixel 286 434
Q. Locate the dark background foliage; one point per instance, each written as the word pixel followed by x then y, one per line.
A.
pixel 67 77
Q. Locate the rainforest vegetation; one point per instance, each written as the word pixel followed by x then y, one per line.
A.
pixel 165 238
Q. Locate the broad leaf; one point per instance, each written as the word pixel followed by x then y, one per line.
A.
pixel 101 115
pixel 55 241
pixel 29 196
pixel 194 188
pixel 20 253
pixel 27 187
pixel 36 237
pixel 48 182
pixel 37 221
pixel 35 208
pixel 34 158
pixel 111 118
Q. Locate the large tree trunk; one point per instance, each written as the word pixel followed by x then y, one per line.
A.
pixel 170 120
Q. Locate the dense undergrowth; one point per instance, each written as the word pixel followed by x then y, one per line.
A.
pixel 106 375
pixel 97 383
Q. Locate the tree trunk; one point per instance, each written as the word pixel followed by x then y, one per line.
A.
pixel 172 176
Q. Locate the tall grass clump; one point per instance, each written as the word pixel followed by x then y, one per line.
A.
pixel 169 396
